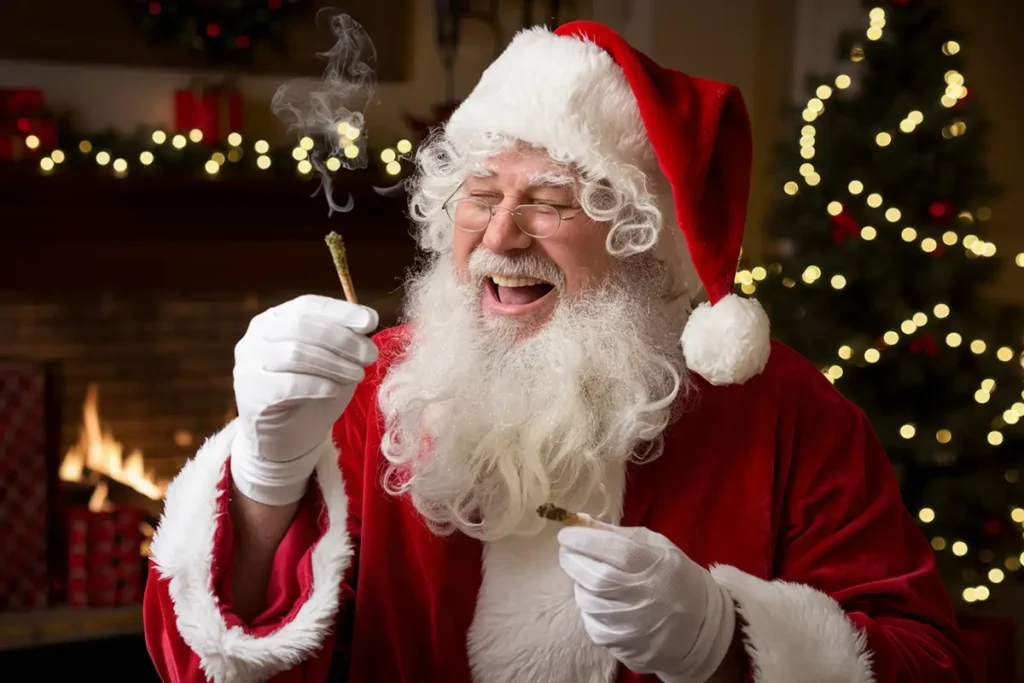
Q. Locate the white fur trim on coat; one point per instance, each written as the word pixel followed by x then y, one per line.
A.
pixel 527 625
pixel 727 343
pixel 182 552
pixel 794 633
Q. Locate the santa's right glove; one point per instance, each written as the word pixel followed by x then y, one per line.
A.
pixel 656 610
pixel 296 369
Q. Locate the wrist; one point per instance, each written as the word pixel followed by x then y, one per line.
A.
pixel 270 482
pixel 714 641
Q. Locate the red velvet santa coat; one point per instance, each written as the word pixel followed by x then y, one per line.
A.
pixel 778 478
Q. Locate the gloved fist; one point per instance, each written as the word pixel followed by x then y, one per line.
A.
pixel 296 369
pixel 651 606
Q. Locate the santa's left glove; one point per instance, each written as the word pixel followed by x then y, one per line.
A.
pixel 656 610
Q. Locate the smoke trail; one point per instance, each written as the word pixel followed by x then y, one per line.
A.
pixel 330 110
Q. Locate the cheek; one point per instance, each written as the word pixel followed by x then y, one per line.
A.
pixel 463 245
pixel 584 259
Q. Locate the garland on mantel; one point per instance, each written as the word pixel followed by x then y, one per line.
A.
pixel 159 152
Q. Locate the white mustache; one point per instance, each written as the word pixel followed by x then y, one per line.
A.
pixel 483 262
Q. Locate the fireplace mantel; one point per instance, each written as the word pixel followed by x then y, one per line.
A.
pixel 81 233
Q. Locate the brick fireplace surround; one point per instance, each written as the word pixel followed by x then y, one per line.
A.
pixel 143 286
pixel 144 289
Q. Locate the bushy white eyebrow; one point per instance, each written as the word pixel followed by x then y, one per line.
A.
pixel 549 179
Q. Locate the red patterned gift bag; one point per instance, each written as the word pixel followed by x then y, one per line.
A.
pixel 27 484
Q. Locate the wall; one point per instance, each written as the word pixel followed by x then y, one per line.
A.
pixel 994 63
pixel 162 361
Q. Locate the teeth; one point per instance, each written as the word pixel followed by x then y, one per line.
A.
pixel 515 281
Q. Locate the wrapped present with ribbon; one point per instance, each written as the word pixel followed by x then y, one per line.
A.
pixel 216 111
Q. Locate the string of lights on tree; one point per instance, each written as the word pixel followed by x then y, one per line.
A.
pixel 864 352
pixel 162 151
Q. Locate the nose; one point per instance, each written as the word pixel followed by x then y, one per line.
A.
pixel 503 235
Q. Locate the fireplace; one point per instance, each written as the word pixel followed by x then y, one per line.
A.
pixel 134 292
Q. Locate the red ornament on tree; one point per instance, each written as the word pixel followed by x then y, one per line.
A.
pixel 924 343
pixel 993 527
pixel 844 225
pixel 964 99
pixel 941 209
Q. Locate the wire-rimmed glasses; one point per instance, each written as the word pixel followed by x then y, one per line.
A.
pixel 472 214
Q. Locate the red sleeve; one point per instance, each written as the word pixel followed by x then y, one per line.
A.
pixel 856 595
pixel 847 533
pixel 289 587
pixel 191 631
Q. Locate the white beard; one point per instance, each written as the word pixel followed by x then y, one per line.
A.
pixel 483 426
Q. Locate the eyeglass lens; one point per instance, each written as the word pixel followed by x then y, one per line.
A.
pixel 473 215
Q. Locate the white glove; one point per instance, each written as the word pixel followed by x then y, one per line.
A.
pixel 656 610
pixel 296 369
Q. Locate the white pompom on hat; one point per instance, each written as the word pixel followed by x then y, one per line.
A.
pixel 586 96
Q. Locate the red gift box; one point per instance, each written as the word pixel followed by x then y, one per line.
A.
pixel 27 484
pixel 104 563
pixel 22 113
pixel 215 111
pixel 78 556
pixel 102 578
pixel 128 565
pixel 16 102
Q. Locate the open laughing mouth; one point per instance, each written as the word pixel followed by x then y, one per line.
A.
pixel 512 295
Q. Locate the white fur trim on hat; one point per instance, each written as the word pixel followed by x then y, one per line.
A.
pixel 727 343
pixel 561 93
pixel 569 97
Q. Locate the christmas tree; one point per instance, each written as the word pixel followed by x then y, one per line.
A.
pixel 879 262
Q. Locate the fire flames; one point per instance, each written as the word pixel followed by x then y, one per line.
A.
pixel 98 451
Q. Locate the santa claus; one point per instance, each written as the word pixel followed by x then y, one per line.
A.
pixel 570 339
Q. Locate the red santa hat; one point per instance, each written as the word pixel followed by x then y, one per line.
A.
pixel 587 97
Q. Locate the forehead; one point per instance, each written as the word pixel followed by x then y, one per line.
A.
pixel 523 166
